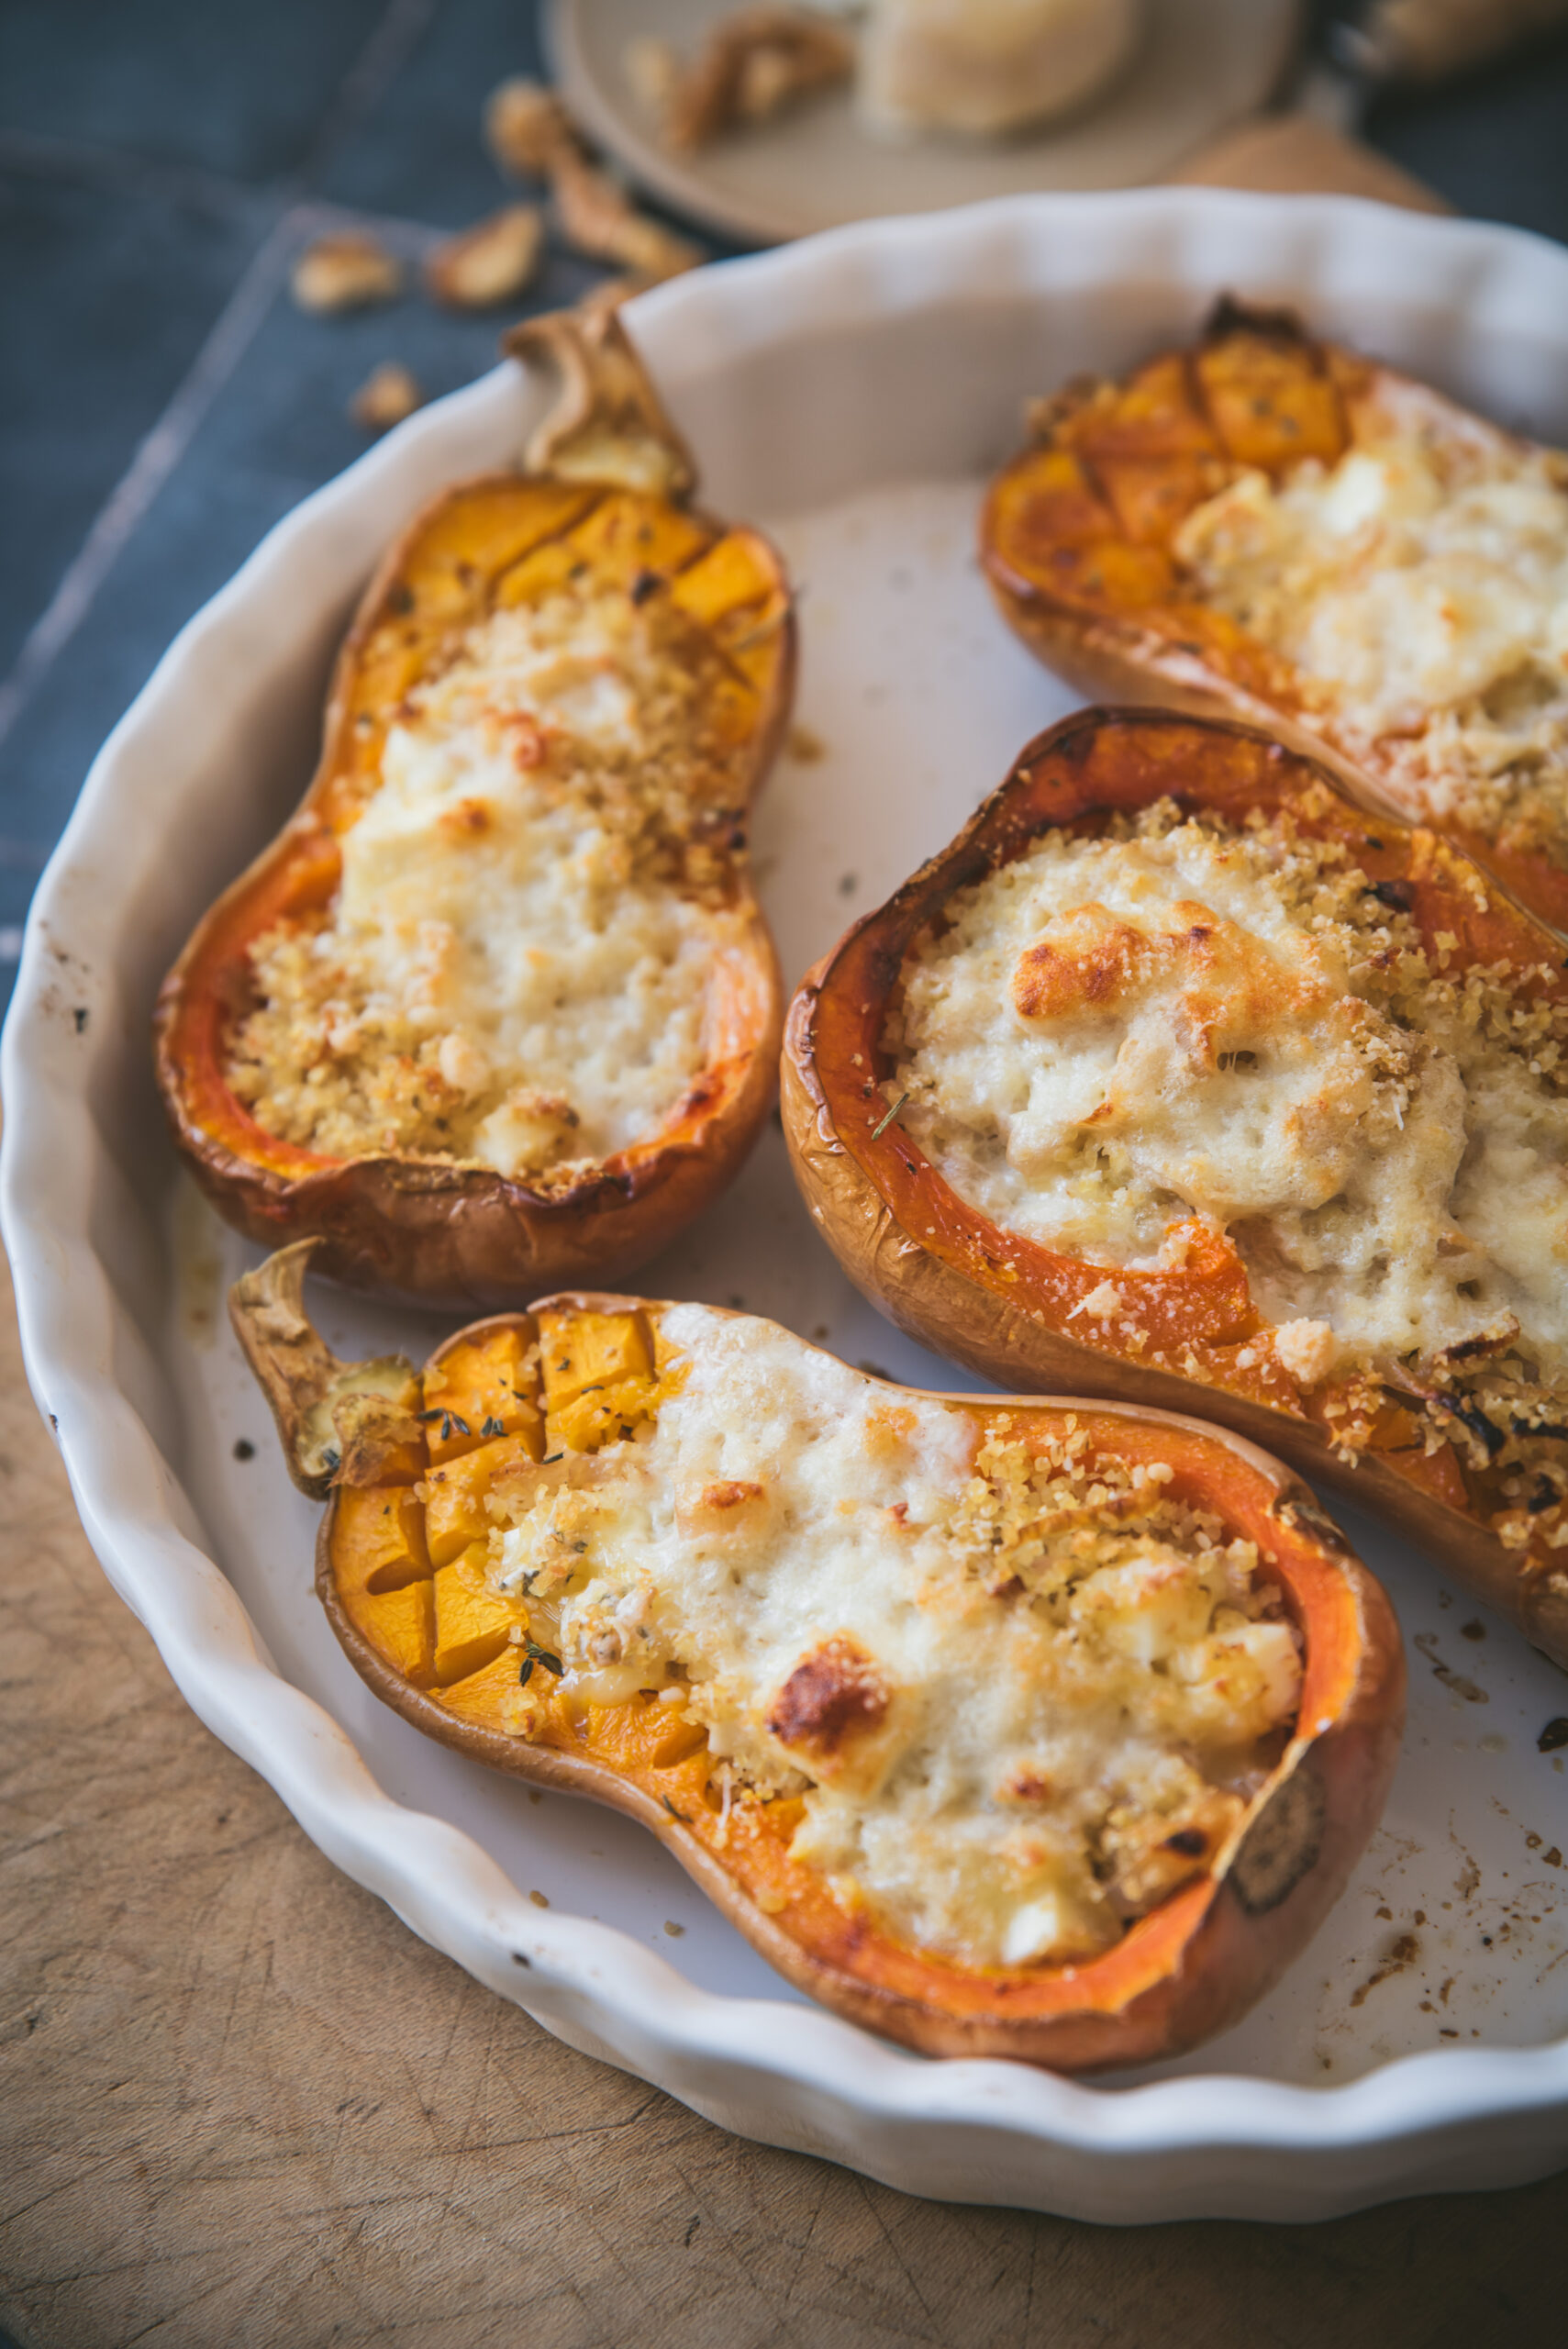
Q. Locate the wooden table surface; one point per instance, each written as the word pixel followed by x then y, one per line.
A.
pixel 240 2103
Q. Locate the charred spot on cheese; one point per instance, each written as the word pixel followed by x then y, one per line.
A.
pixel 729 1495
pixel 514 968
pixel 1091 958
pixel 1185 1029
pixel 726 1506
pixel 833 1695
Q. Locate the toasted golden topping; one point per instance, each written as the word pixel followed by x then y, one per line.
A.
pixel 1117 1040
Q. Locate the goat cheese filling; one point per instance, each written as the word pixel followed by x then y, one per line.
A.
pixel 1019 1694
pixel 1108 1038
pixel 1420 589
pixel 516 966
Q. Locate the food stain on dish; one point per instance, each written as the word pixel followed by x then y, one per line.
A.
pixel 1428 1644
pixel 195 1249
pixel 1454 1964
pixel 1401 1953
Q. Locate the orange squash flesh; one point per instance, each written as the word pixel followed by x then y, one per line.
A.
pixel 1077 543
pixel 1006 1306
pixel 445 1228
pixel 1184 1970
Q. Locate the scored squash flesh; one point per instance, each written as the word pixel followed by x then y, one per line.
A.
pixel 1266 1118
pixel 1002 1726
pixel 498 1007
pixel 1279 529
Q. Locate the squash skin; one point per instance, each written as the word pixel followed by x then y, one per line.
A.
pixel 1144 642
pixel 976 1295
pixel 450 1231
pixel 1191 1965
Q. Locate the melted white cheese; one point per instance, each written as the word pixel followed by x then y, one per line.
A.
pixel 500 953
pixel 1419 583
pixel 1392 1174
pixel 1034 1743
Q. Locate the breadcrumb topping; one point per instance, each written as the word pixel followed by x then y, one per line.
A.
pixel 1019 1690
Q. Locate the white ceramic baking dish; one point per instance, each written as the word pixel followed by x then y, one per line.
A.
pixel 850 393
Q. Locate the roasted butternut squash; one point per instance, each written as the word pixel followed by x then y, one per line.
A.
pixel 1269 527
pixel 1178 1079
pixel 1002 1726
pixel 498 1007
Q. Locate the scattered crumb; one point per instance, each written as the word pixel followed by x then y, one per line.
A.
pixel 491 263
pixel 244 1449
pixel 539 1900
pixel 1402 1952
pixel 752 66
pixel 530 133
pixel 804 747
pixel 388 394
pixel 599 218
pixel 534 1795
pixel 525 127
pixel 349 271
pixel 1472 1631
pixel 673 1930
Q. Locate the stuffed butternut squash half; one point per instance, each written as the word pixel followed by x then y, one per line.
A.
pixel 1277 529
pixel 1178 1078
pixel 498 1007
pixel 1005 1727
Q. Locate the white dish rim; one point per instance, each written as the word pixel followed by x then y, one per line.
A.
pixel 962 2130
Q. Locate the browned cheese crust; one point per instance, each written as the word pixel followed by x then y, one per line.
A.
pixel 1011 1310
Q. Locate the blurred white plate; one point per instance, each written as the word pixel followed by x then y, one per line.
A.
pixel 851 394
pixel 1202 65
